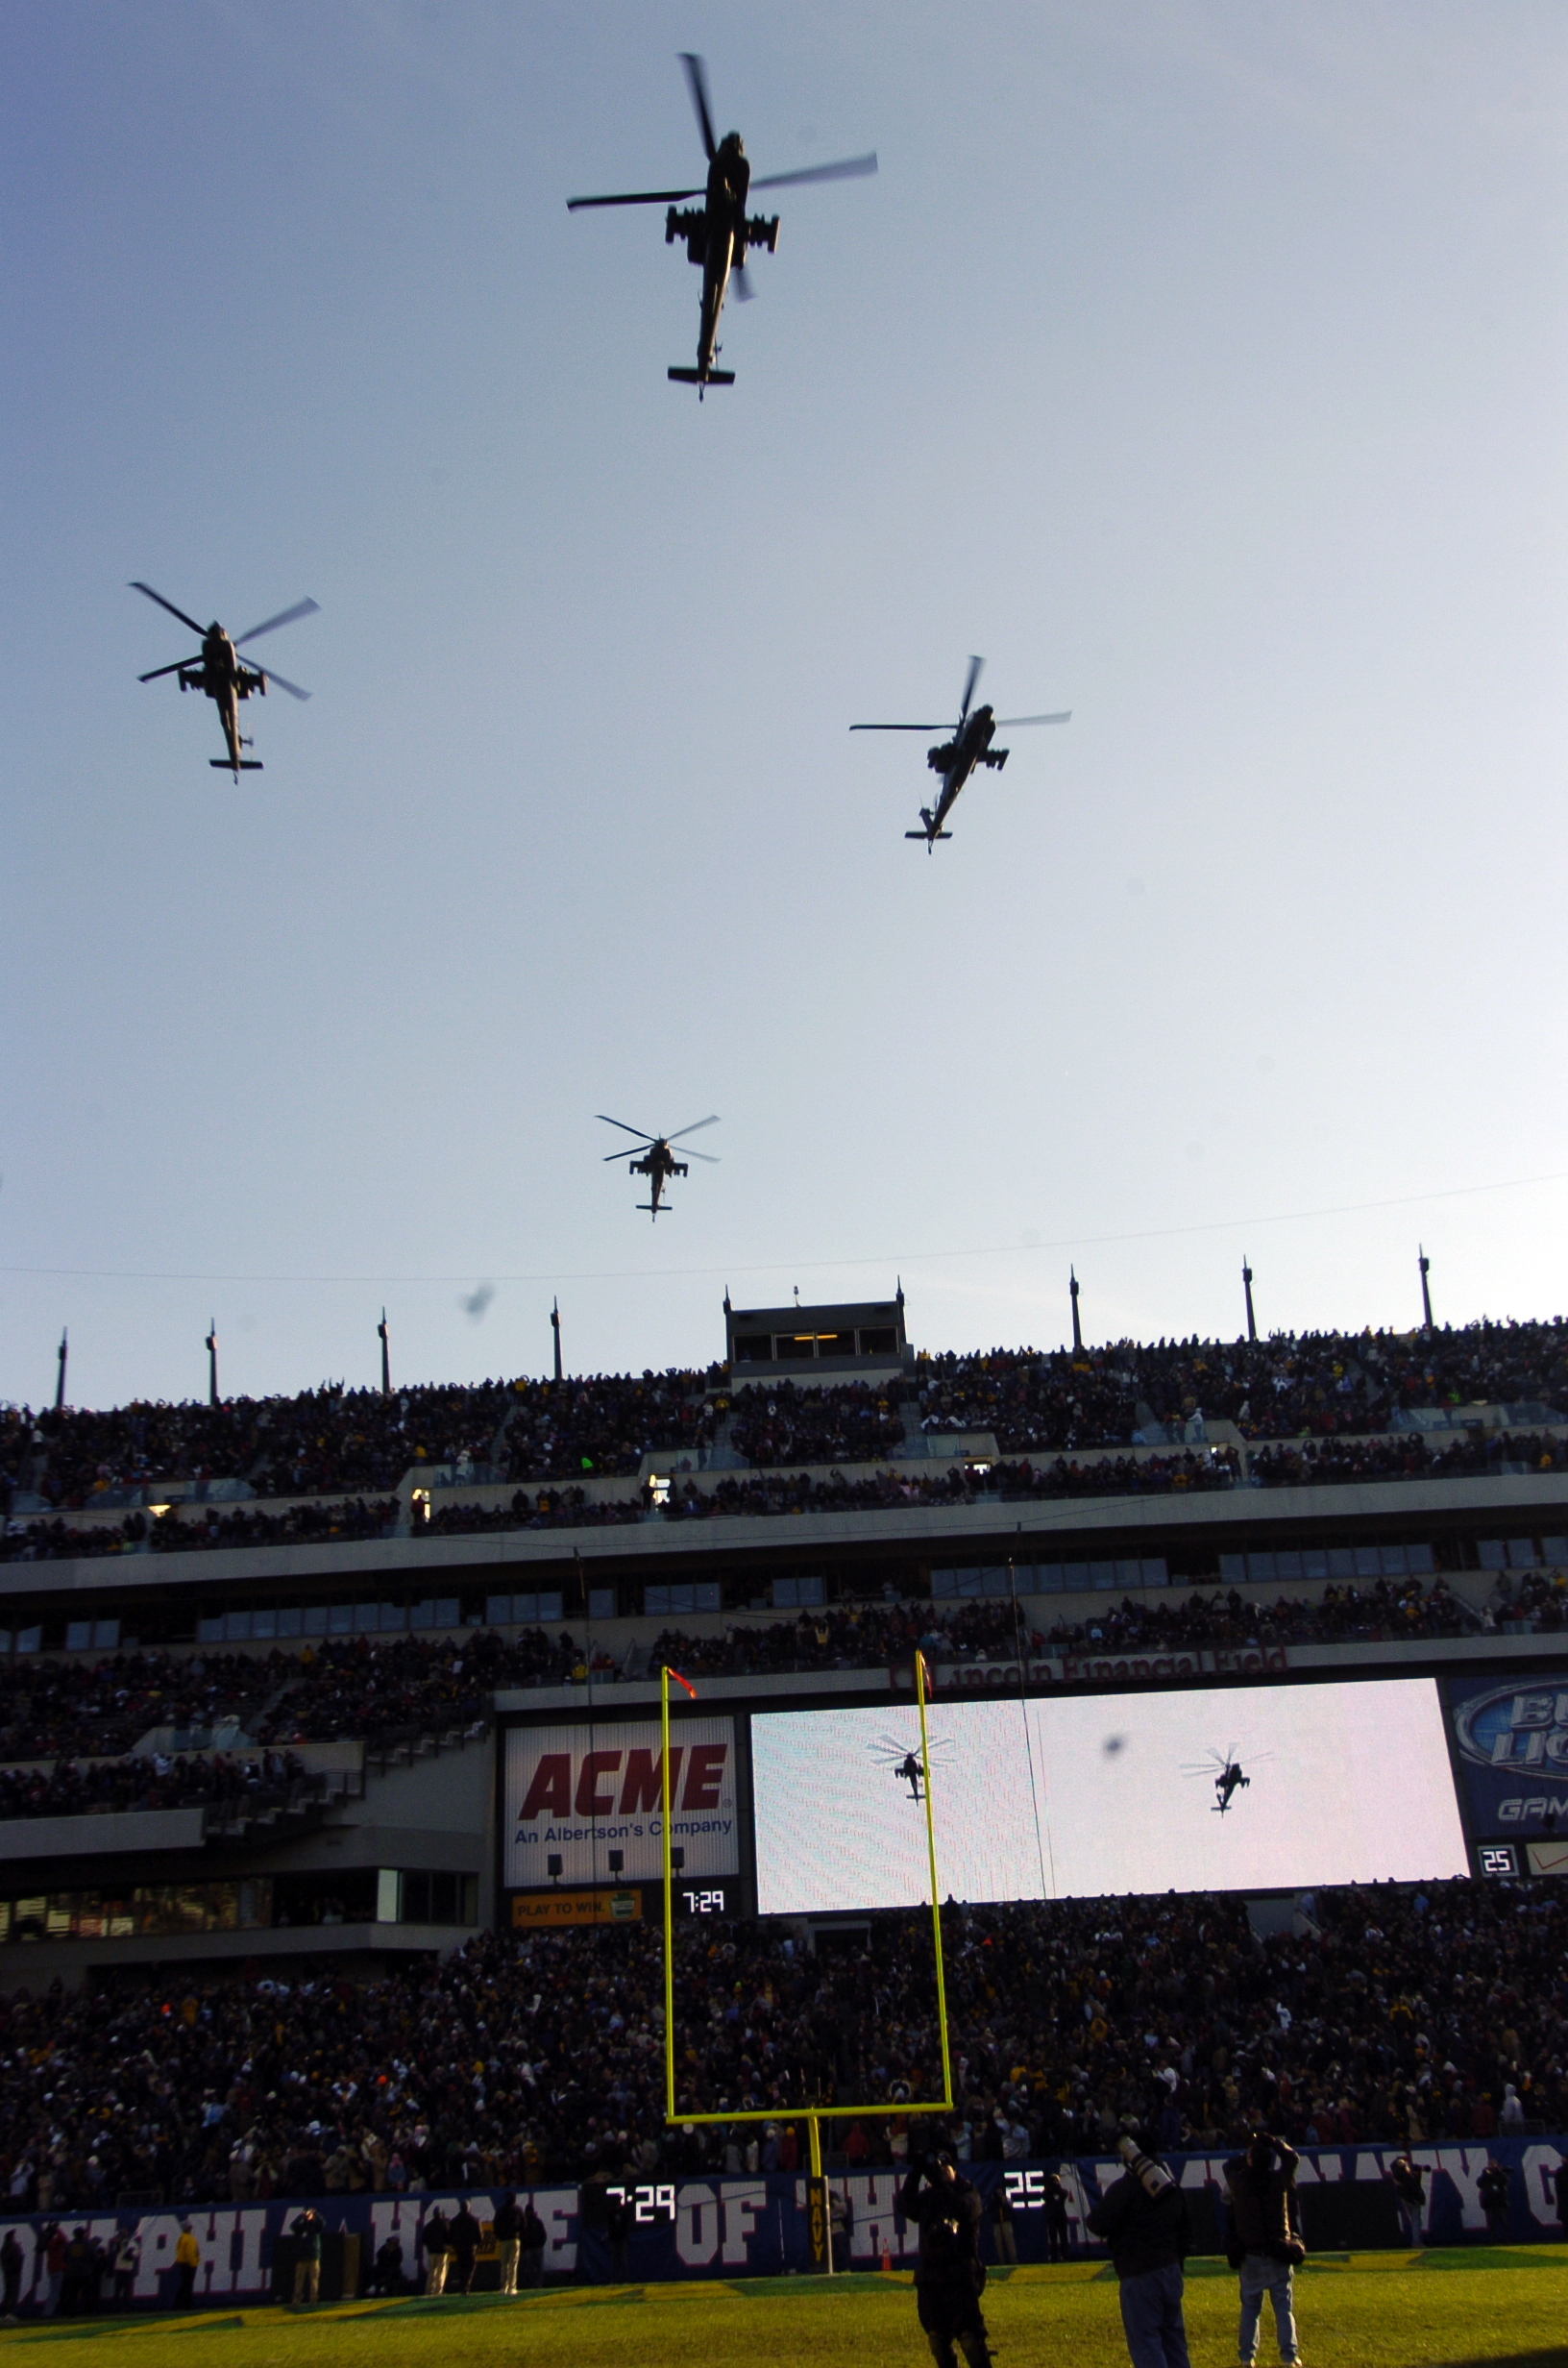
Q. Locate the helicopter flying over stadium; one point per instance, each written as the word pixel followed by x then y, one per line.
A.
pixel 1227 1774
pixel 658 1162
pixel 218 670
pixel 955 759
pixel 718 233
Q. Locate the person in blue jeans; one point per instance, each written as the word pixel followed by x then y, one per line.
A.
pixel 1144 2220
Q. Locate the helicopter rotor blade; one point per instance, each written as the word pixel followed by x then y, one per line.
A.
pixel 694 1129
pixel 640 1132
pixel 170 669
pixel 740 281
pixel 284 616
pixel 897 727
pixel 631 1154
pixel 1011 723
pixel 849 168
pixel 696 83
pixel 638 197
pixel 200 630
pixel 709 1158
pixel 283 685
pixel 975 664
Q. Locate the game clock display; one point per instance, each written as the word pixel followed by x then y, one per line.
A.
pixel 712 1899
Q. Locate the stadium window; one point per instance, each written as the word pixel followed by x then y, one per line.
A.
pixel 1260 1567
pixel 878 1340
pixel 1102 1574
pixel 1074 1578
pixel 1130 1574
pixel 387 1887
pixel 30 1640
pixel 547 1608
pixel 498 1612
pixel 1341 1562
pixel 422 1615
pixel 1047 1578
pixel 446 1612
pixel 393 1619
pixel 1369 1563
pixel 754 1348
pixel 1315 1564
pixel 1418 1561
pixel 1522 1555
pixel 1156 1570
pixel 78 1636
pixel 1493 1554
pixel 237 1627
pixel 209 1630
pixel 1288 1566
pixel 942 1585
pixel 315 1619
pixel 263 1627
pixel 1232 1566
pixel 1393 1562
pixel 341 1620
pixel 5 1640
pixel 105 1635
pixel 367 1618
pixel 602 1603
pixel 1553 1549
pixel 290 1620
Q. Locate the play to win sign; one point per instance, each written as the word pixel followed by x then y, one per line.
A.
pixel 577 1793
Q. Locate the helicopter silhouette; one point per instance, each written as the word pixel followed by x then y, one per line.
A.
pixel 906 1766
pixel 1231 1777
pixel 718 233
pixel 956 760
pixel 659 1163
pixel 218 670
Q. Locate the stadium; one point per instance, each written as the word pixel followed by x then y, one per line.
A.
pixel 334 1792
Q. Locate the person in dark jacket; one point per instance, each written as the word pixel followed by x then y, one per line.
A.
pixel 1144 2220
pixel 1410 2184
pixel 1001 2222
pixel 1265 2240
pixel 1056 2245
pixel 466 2238
pixel 532 2241
pixel 1492 2195
pixel 507 2229
pixel 950 2276
pixel 618 2221
pixel 12 2260
pixel 436 2238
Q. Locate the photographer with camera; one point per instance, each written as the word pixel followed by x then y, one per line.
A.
pixel 950 2274
pixel 1265 2241
pixel 1144 2220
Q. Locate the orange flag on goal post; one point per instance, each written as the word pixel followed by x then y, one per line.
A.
pixel 682 1680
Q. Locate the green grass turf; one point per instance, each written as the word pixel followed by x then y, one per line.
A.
pixel 1508 2308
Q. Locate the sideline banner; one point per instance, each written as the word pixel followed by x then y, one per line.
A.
pixel 760 2227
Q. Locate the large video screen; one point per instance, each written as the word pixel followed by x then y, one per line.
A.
pixel 577 1793
pixel 1258 1787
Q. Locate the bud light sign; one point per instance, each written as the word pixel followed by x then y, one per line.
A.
pixel 1512 1742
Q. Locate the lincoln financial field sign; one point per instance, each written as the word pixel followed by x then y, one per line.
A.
pixel 580 1792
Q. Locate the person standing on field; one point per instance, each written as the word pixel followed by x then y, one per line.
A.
pixel 507 2229
pixel 1492 2195
pixel 437 2241
pixel 1001 2225
pixel 187 2257
pixel 1265 2241
pixel 950 2276
pixel 306 2234
pixel 1144 2220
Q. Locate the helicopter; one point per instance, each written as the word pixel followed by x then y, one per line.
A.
pixel 905 1764
pixel 957 758
pixel 718 233
pixel 1231 1777
pixel 222 674
pixel 658 1162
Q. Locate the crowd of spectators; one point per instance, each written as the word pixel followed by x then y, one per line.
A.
pixel 154 1780
pixel 403 1685
pixel 848 1423
pixel 1387 1610
pixel 332 1441
pixel 1393 2013
pixel 177 1530
pixel 49 1707
pixel 568 1429
pixel 1281 1388
pixel 1408 1456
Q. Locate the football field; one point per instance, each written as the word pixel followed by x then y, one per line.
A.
pixel 1364 2311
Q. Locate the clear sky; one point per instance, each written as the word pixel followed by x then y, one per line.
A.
pixel 1203 366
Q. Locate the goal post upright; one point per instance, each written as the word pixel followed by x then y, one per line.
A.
pixel 812 2114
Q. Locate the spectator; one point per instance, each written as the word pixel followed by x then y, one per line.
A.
pixel 466 2239
pixel 949 2275
pixel 1056 2245
pixel 1492 2193
pixel 187 2257
pixel 506 2229
pixel 438 2251
pixel 11 2259
pixel 306 2232
pixel 530 2236
pixel 1265 2242
pixel 1143 2218
pixel 125 2261
pixel 1001 2222
pixel 1410 2185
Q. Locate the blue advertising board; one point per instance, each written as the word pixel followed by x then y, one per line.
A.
pixel 1510 1740
pixel 757 2226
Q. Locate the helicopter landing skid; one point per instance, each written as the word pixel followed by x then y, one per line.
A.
pixel 247 764
pixel 928 835
pixel 700 377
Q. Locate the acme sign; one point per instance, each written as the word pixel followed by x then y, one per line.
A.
pixel 576 1792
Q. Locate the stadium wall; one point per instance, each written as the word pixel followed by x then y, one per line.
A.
pixel 756 2227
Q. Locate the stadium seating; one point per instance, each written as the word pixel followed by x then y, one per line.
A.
pixel 1402 2014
